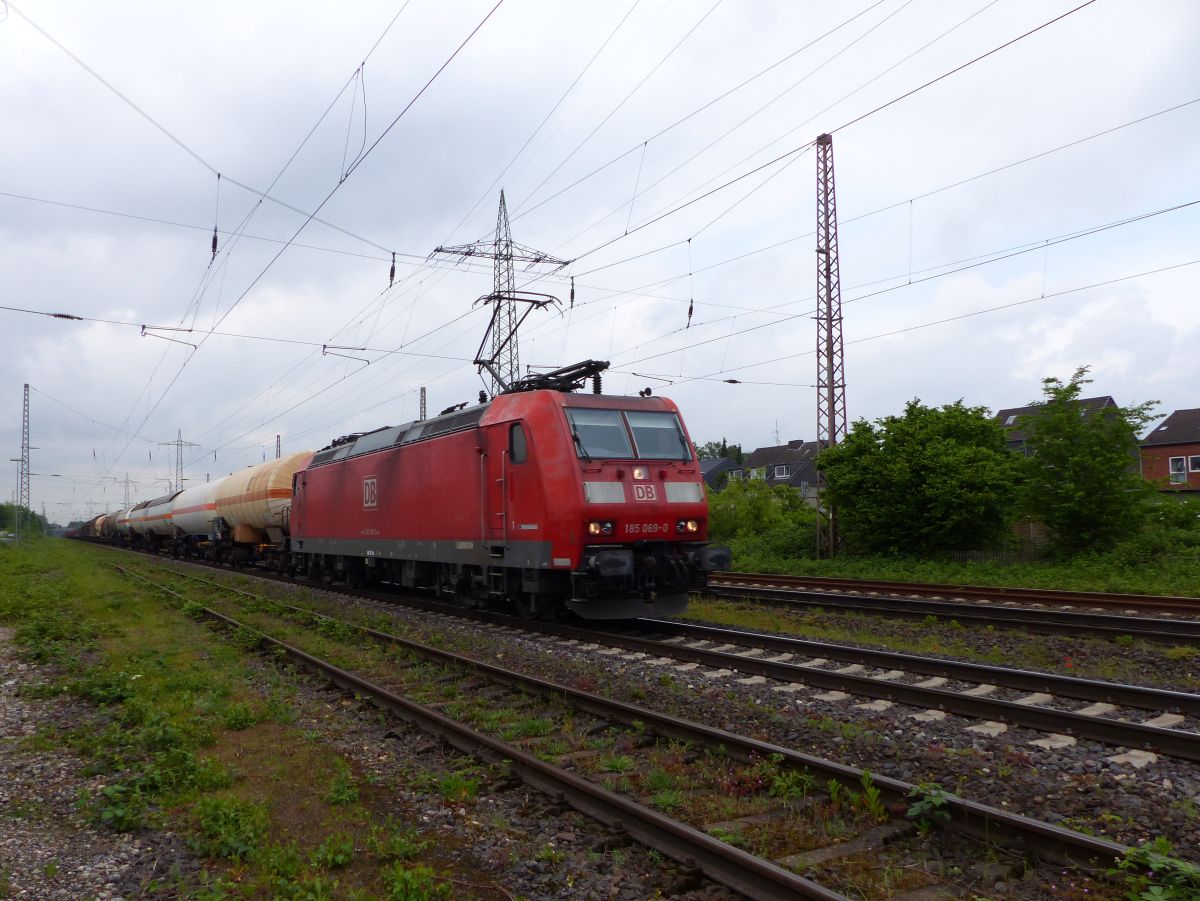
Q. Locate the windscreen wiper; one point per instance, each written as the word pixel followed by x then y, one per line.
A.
pixel 579 444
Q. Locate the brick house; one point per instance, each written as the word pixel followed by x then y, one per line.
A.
pixel 1171 452
pixel 788 464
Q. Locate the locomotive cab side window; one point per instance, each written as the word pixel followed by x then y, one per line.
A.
pixel 518 450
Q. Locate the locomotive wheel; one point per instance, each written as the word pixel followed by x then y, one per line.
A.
pixel 523 605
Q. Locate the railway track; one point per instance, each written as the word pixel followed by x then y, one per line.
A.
pixel 1081 600
pixel 1138 722
pixel 777 590
pixel 772 875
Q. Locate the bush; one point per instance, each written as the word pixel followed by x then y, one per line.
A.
pixel 229 828
pixel 764 525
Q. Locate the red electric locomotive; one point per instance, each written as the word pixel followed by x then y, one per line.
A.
pixel 542 499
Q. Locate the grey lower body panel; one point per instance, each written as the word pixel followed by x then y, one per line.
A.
pixel 465 552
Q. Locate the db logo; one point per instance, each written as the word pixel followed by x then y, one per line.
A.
pixel 644 493
pixel 370 493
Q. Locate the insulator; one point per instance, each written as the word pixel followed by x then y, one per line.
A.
pixel 482 396
pixel 573 298
pixel 392 274
pixel 691 308
pixel 597 383
pixel 214 243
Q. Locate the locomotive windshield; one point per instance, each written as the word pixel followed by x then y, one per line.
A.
pixel 599 433
pixel 606 434
pixel 657 436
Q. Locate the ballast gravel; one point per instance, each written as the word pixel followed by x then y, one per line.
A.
pixel 1075 786
pixel 510 840
pixel 47 847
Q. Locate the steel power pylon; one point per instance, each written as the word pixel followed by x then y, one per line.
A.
pixel 831 371
pixel 502 357
pixel 23 478
pixel 179 444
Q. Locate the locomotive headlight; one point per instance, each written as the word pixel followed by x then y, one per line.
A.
pixel 641 473
pixel 687 525
pixel 601 527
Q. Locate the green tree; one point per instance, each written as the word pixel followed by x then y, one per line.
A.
pixel 933 479
pixel 763 524
pixel 1081 476
pixel 715 450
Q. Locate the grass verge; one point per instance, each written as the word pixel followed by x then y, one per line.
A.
pixel 191 733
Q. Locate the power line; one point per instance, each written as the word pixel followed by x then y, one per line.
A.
pixel 630 94
pixel 980 312
pixel 1027 248
pixel 263 195
pixel 350 171
pixel 404 257
pixel 957 69
pixel 694 112
pixel 491 188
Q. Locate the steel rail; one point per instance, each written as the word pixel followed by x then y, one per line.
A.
pixel 969 817
pixel 1150 602
pixel 1138 696
pixel 729 865
pixel 1173 742
pixel 1052 622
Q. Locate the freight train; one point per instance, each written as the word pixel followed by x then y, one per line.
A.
pixel 545 500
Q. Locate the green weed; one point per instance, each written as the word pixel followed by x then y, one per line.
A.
pixel 229 828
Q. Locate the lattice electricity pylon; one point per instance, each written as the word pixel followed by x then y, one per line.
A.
pixel 831 372
pixel 23 482
pixel 179 444
pixel 502 358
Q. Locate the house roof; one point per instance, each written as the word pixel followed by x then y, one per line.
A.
pixel 1181 427
pixel 720 464
pixel 1010 418
pixel 797 455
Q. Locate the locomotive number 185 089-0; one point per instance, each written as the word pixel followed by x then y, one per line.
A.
pixel 647 528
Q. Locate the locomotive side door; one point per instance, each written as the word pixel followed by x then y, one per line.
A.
pixel 507 485
pixel 494 472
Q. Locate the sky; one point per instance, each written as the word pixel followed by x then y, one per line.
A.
pixel 1035 211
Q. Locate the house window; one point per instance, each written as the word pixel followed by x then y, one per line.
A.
pixel 1178 473
pixel 781 472
pixel 1011 420
pixel 758 472
pixel 735 474
pixel 1194 464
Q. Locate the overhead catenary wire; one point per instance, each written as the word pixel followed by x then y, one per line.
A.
pixel 311 216
pixel 913 91
pixel 695 112
pixel 173 138
pixel 948 319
